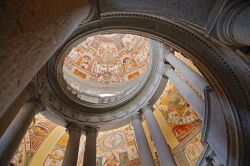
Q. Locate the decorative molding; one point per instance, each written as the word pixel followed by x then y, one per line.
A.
pixel 171 8
pixel 207 118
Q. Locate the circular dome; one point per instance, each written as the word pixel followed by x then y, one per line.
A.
pixel 104 67
pixel 76 83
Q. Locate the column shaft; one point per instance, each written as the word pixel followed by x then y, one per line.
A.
pixel 187 92
pixel 72 149
pixel 142 143
pixel 30 35
pixel 162 148
pixel 7 116
pixel 90 147
pixel 195 79
pixel 13 136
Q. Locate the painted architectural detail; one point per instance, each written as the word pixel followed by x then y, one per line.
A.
pixel 57 153
pixel 194 149
pixel 117 147
pixel 179 115
pixel 112 141
pixel 182 118
pixel 37 133
pixel 114 148
pixel 108 59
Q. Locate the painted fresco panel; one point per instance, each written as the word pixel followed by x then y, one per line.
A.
pixel 38 131
pixel 194 149
pixel 114 147
pixel 108 59
pixel 182 118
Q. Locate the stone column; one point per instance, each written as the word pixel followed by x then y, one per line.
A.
pixel 7 116
pixel 195 79
pixel 142 143
pixel 162 148
pixel 30 35
pixel 234 24
pixel 13 136
pixel 71 154
pixel 90 147
pixel 186 91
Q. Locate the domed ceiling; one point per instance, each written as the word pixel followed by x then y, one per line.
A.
pixel 104 62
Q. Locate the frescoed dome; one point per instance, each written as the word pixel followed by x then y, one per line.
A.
pixel 107 64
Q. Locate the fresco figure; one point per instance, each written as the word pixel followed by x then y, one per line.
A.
pixel 129 64
pixel 85 62
pixel 111 160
